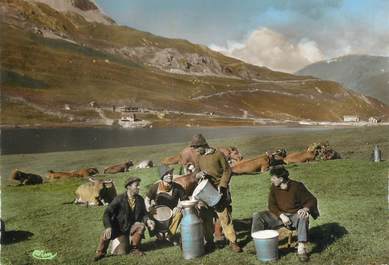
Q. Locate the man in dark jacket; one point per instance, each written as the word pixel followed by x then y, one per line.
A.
pixel 125 217
pixel 290 204
pixel 167 193
pixel 213 165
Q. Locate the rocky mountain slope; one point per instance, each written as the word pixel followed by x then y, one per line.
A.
pixel 61 60
pixel 365 74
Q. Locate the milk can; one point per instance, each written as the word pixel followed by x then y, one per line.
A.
pixel 376 154
pixel 192 236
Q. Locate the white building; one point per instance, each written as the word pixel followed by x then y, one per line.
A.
pixel 350 118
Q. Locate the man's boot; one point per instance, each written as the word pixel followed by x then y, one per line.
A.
pixel 302 252
pixel 135 243
pixel 102 248
pixel 235 247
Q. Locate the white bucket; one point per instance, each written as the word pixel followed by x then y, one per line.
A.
pixel 206 192
pixel 266 244
pixel 162 217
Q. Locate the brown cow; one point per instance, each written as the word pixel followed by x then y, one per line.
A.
pixel 188 182
pixel 118 168
pixel 87 172
pixel 232 154
pixel 96 192
pixel 26 178
pixel 258 164
pixel 189 155
pixel 53 175
pixel 305 156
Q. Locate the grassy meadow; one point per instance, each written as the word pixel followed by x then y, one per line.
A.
pixel 352 194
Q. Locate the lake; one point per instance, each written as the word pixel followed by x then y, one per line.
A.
pixel 27 140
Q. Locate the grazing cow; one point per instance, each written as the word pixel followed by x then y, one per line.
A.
pixel 145 164
pixel 95 192
pixel 118 168
pixel 26 178
pixel 305 156
pixel 87 172
pixel 57 175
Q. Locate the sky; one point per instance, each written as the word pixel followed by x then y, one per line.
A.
pixel 283 35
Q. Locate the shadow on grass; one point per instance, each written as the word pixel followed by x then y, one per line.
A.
pixel 155 244
pixel 12 237
pixel 324 235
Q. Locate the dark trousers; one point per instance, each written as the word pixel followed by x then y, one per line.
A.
pixel 266 220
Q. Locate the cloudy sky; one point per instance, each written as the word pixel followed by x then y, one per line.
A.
pixel 283 35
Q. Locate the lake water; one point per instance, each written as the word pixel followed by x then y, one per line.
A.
pixel 26 140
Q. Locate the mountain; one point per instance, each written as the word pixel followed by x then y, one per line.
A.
pixel 365 74
pixel 57 57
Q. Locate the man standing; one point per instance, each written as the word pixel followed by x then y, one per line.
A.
pixel 213 165
pixel 290 204
pixel 168 193
pixel 126 217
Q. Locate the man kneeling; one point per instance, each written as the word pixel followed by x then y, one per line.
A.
pixel 290 204
pixel 125 218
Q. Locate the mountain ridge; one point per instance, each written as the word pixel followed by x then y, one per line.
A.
pixel 53 59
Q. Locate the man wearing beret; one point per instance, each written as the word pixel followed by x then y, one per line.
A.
pixel 125 216
pixel 168 193
pixel 212 165
pixel 290 204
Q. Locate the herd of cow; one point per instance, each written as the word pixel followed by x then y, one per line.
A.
pixel 100 192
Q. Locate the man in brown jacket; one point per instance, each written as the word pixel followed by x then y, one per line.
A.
pixel 213 165
pixel 290 204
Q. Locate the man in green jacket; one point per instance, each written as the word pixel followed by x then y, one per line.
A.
pixel 212 165
pixel 290 204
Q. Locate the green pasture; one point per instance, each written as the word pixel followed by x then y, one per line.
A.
pixel 352 194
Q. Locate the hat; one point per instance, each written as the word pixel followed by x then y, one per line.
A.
pixel 279 171
pixel 163 170
pixel 198 140
pixel 130 180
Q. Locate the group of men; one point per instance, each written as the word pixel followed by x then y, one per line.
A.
pixel 128 215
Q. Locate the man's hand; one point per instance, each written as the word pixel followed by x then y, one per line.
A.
pixel 223 192
pixel 201 175
pixel 150 224
pixel 285 220
pixel 303 213
pixel 107 233
pixel 152 210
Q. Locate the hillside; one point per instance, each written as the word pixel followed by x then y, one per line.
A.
pixel 55 61
pixel 365 74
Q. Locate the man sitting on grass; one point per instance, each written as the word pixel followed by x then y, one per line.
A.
pixel 125 217
pixel 290 204
pixel 166 193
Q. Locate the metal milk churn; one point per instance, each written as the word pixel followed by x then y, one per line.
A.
pixel 192 236
pixel 376 154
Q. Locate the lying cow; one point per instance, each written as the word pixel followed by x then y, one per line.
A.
pixel 118 168
pixel 305 156
pixel 95 192
pixel 145 164
pixel 60 175
pixel 87 172
pixel 261 163
pixel 26 178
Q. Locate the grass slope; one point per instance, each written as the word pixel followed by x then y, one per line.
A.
pixel 352 196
